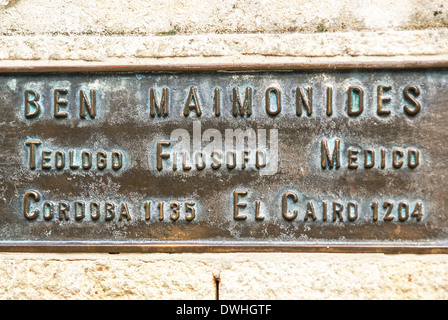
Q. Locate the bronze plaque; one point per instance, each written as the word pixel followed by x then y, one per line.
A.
pixel 224 159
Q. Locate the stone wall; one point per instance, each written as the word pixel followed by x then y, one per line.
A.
pixel 243 276
pixel 149 32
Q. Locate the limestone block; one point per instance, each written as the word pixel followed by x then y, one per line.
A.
pixel 335 276
pixel 141 17
pixel 104 276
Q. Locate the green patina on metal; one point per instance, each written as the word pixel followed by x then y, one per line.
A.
pixel 93 160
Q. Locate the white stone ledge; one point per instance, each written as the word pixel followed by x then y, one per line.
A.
pixel 339 44
pixel 243 276
pixel 143 17
pixel 253 62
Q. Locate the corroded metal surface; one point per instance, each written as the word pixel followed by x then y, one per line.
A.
pixel 350 159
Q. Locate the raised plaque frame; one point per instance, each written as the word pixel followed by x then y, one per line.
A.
pixel 228 246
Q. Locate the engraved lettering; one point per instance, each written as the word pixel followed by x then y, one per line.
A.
pixel 324 211
pixel 247 105
pixel 403 211
pixel 245 159
pixel 72 160
pixel 375 210
pixel 381 99
pixel 94 210
pixel 31 101
pixel 285 211
pixel 101 162
pixel 80 210
pixel 124 212
pixel 396 154
pixel 217 102
pixel 161 106
pixel 352 159
pixel 257 211
pixel 185 166
pixel 216 162
pixel 110 211
pixel 369 158
pixel 271 93
pixel 388 205
pixel 231 165
pixel 200 165
pixel 413 158
pixel 355 101
pixel 147 206
pixel 190 211
pixel 410 93
pixel 178 209
pixel 91 105
pixel 161 155
pixel 64 207
pixel 46 153
pixel 86 160
pixel 329 101
pixel 117 160
pixel 32 145
pixel 352 207
pixel 333 160
pixel 192 103
pixel 301 100
pixel 160 206
pixel 237 204
pixel 418 211
pixel 59 159
pixel 396 158
pixel 174 215
pixel 310 211
pixel 26 213
pixel 59 102
pixel 260 162
pixel 337 211
pixel 47 206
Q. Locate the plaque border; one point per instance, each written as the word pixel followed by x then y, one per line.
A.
pixel 211 247
pixel 406 247
pixel 246 67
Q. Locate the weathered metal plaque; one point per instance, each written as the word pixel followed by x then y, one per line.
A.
pixel 194 160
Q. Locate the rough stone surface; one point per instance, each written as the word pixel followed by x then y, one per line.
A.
pixel 335 276
pixel 52 32
pixel 70 276
pixel 142 17
pixel 242 276
pixel 100 48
